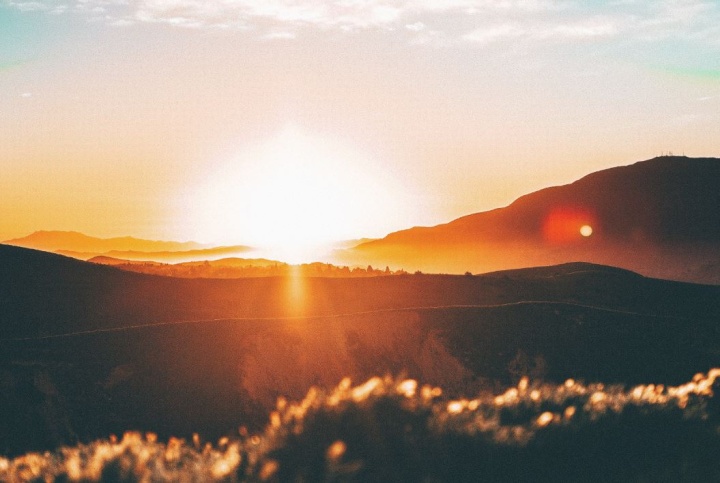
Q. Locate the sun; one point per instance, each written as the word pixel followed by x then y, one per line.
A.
pixel 292 196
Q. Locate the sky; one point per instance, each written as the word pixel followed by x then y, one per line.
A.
pixel 300 121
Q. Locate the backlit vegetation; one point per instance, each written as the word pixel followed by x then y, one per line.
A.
pixel 239 268
pixel 393 429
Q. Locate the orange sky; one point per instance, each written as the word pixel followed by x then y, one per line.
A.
pixel 249 122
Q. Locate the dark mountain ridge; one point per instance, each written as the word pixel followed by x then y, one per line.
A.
pixel 662 210
pixel 662 199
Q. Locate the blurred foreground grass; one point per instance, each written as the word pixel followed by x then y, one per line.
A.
pixel 395 430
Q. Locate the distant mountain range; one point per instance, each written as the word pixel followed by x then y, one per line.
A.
pixel 659 217
pixel 52 241
pixel 166 256
pixel 84 247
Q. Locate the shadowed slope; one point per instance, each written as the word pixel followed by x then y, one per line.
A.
pixel 659 217
pixel 45 294
pixel 132 351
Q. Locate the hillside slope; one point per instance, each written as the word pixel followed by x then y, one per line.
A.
pixel 658 217
pixel 87 350
pixel 46 294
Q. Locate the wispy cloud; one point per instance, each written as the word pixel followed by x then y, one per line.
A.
pixel 534 31
pixel 676 18
pixel 280 36
pixel 346 15
pixel 342 14
pixel 475 22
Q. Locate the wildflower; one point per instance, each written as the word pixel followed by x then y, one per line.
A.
pixel 545 418
pixel 336 450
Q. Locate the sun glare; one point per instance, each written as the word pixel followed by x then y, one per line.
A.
pixel 295 293
pixel 567 224
pixel 292 197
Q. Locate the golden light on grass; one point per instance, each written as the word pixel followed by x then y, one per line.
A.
pixel 455 407
pixel 336 450
pixel 569 412
pixel 295 292
pixel 511 420
pixel 408 387
pixel 545 418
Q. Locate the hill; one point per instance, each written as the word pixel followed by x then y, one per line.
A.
pixel 240 268
pixel 51 241
pixel 657 217
pixel 177 256
pixel 47 294
pixel 87 350
pixel 84 247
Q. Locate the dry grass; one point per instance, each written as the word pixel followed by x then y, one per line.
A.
pixel 397 430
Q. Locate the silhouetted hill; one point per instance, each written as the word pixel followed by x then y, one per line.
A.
pixel 659 217
pixel 44 294
pixel 663 199
pixel 51 241
pixel 113 262
pixel 84 247
pixel 240 267
pixel 179 256
pixel 87 350
pixel 231 262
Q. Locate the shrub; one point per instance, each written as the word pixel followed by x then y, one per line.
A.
pixel 396 430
